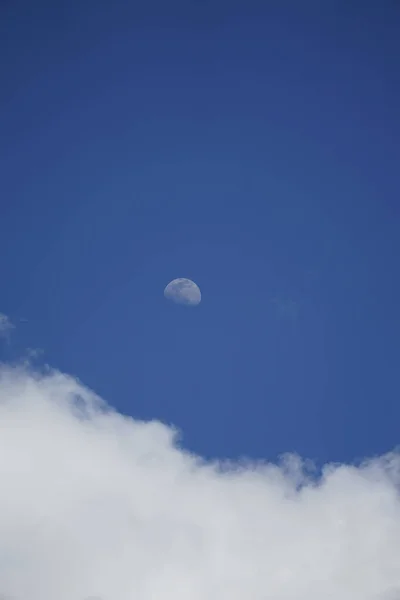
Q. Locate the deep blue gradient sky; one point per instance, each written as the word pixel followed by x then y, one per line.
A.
pixel 250 146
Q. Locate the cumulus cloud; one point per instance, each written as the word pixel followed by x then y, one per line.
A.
pixel 97 505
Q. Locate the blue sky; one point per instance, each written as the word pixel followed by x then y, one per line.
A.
pixel 252 147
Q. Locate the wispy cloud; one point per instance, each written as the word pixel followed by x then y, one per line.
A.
pixel 286 307
pixel 96 505
pixel 6 326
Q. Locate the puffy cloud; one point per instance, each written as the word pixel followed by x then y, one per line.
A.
pixel 97 505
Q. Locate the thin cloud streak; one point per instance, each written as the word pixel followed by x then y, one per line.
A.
pixel 95 504
pixel 6 326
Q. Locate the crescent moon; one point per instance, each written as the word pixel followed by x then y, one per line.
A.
pixel 183 291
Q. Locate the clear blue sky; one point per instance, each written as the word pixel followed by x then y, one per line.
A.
pixel 250 146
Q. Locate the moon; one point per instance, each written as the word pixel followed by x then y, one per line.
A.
pixel 183 291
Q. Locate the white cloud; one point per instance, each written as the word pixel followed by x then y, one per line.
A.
pixel 94 504
pixel 5 325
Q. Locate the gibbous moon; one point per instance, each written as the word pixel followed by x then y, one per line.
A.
pixel 183 291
